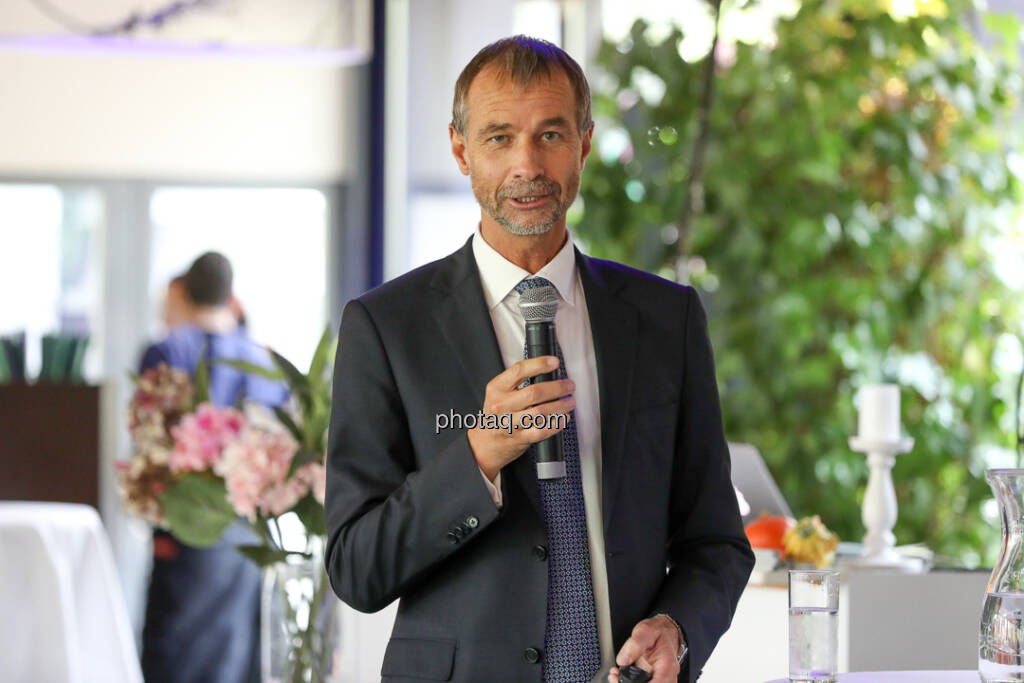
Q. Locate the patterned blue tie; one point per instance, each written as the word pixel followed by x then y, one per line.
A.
pixel 572 652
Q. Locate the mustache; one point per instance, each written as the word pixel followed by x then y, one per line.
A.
pixel 535 188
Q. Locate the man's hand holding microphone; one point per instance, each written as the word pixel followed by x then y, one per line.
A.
pixel 495 448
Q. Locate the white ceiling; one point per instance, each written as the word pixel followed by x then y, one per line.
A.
pixel 297 25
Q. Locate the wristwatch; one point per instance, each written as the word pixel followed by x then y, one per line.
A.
pixel 682 639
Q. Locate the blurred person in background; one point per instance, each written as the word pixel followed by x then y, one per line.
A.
pixel 202 610
pixel 236 307
pixel 177 307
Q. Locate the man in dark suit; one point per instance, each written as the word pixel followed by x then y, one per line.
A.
pixel 637 555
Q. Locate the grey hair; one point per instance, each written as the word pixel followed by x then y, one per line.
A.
pixel 523 60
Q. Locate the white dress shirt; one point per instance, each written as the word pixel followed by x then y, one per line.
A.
pixel 499 276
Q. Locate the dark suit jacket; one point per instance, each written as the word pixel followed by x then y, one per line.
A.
pixel 408 514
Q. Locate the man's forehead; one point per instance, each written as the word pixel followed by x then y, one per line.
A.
pixel 493 93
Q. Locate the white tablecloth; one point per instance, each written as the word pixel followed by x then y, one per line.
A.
pixel 63 612
pixel 905 677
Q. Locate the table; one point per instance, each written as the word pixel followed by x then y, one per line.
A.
pixel 64 616
pixel 905 677
pixel 874 609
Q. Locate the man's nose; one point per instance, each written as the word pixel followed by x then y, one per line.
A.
pixel 528 163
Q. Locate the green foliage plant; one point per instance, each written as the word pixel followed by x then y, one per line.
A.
pixel 856 174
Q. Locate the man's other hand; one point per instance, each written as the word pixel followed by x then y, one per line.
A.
pixel 495 448
pixel 653 646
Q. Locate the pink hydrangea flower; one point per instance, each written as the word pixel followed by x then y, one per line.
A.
pixel 200 438
pixel 315 476
pixel 281 498
pixel 255 471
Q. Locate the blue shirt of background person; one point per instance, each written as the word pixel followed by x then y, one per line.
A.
pixel 186 344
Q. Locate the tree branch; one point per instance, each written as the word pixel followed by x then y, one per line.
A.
pixel 693 190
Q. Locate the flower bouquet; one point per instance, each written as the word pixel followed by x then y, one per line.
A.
pixel 777 539
pixel 199 468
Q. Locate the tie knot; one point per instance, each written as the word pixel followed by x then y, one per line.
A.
pixel 532 282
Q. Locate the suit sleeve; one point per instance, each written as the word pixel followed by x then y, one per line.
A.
pixel 709 558
pixel 392 517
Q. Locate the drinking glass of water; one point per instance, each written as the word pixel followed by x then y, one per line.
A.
pixel 813 625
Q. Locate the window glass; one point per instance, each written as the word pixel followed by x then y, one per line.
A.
pixel 51 264
pixel 276 240
pixel 440 223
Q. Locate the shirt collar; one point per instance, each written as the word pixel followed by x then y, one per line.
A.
pixel 499 276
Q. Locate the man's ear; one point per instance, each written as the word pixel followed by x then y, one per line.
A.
pixel 587 139
pixel 459 149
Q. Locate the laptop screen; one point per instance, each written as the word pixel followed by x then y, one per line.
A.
pixel 751 476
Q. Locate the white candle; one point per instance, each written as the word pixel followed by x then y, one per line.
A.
pixel 879 412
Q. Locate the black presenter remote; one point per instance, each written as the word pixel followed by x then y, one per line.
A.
pixel 633 674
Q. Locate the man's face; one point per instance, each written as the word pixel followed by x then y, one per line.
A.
pixel 177 309
pixel 522 150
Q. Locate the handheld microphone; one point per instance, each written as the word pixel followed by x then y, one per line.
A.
pixel 538 306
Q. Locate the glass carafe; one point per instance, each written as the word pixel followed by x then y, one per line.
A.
pixel 1001 637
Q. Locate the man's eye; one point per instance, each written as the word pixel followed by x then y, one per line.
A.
pixel 499 138
pixel 551 136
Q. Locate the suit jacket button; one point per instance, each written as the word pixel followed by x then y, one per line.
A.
pixel 532 655
pixel 465 529
pixel 452 537
pixel 540 552
pixel 472 521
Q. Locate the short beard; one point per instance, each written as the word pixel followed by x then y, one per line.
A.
pixel 492 205
pixel 517 229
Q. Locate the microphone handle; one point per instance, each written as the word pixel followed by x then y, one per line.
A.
pixel 540 341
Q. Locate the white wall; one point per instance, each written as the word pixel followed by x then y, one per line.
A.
pixel 254 91
pixel 444 36
pixel 320 24
pixel 186 118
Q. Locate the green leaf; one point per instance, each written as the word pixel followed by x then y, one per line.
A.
pixel 316 428
pixel 201 388
pixel 289 423
pixel 321 359
pixel 297 382
pixel 264 556
pixel 5 371
pixel 302 457
pixel 252 369
pixel 197 510
pixel 1008 28
pixel 311 512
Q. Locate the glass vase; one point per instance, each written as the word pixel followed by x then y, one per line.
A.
pixel 1001 637
pixel 300 621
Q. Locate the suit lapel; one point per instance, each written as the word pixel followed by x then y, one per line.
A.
pixel 613 325
pixel 466 325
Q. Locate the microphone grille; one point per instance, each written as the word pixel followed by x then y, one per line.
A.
pixel 539 304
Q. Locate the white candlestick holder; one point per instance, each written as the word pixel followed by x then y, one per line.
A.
pixel 879 510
